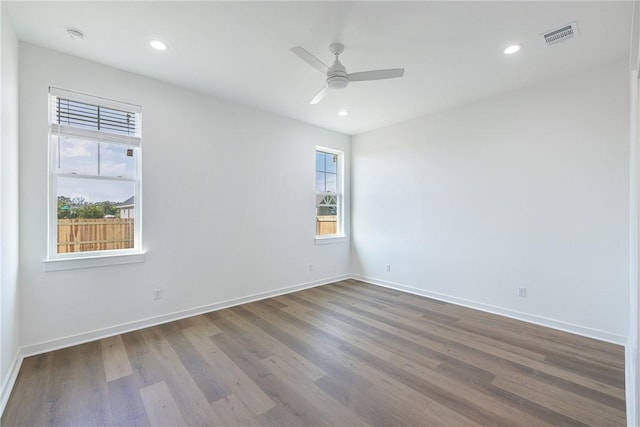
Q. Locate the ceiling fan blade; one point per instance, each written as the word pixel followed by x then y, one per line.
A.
pixel 361 76
pixel 310 59
pixel 319 95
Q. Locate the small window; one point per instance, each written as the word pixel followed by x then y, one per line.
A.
pixel 94 174
pixel 328 192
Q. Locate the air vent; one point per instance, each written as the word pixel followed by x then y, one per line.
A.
pixel 561 34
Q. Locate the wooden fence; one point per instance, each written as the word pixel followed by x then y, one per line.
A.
pixel 326 224
pixel 85 234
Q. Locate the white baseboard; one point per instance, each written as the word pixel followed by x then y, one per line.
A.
pixel 34 349
pixel 538 320
pixel 9 382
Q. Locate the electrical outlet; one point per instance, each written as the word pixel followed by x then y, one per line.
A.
pixel 388 267
pixel 310 267
pixel 157 293
pixel 522 291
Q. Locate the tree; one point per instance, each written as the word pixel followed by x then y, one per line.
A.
pixel 79 202
pixel 64 207
pixel 90 210
pixel 108 208
pixel 78 207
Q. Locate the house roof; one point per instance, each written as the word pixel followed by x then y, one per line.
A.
pixel 126 203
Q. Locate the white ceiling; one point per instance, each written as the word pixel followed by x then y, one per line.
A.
pixel 240 51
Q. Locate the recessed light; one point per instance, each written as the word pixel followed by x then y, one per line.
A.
pixel 512 49
pixel 343 113
pixel 157 44
pixel 75 33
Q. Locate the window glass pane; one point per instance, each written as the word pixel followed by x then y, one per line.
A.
pixel 328 203
pixel 118 160
pixel 319 161
pixel 89 191
pixel 76 155
pixel 320 182
pixel 326 215
pixel 331 183
pixel 331 162
pixel 94 214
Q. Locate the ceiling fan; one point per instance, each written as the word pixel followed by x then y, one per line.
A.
pixel 337 76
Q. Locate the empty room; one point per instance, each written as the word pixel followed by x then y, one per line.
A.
pixel 319 213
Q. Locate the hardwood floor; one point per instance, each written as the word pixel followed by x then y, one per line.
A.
pixel 345 354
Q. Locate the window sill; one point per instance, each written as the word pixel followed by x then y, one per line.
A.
pixel 330 239
pixel 91 261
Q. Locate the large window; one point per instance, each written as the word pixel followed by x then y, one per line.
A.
pixel 94 175
pixel 328 192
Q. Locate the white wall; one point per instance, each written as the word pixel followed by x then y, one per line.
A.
pixel 228 205
pixel 529 188
pixel 9 321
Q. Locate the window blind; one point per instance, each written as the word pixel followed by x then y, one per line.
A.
pixel 94 117
pixel 77 114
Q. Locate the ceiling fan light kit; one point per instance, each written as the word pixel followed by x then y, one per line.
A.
pixel 337 76
pixel 337 82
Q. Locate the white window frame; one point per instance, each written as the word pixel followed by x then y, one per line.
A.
pixel 72 260
pixel 340 234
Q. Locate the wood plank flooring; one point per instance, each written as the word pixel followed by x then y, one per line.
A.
pixel 345 354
